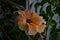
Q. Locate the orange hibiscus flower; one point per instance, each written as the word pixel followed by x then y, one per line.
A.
pixel 31 22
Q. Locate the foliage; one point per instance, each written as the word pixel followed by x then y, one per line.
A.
pixel 49 15
pixel 7 24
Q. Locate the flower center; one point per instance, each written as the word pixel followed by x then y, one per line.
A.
pixel 28 21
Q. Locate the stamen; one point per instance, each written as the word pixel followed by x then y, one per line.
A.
pixel 28 21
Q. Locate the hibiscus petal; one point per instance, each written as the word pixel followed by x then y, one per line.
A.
pixel 31 30
pixel 23 27
pixel 41 28
pixel 28 14
pixel 21 20
pixel 21 13
pixel 36 18
pixel 34 26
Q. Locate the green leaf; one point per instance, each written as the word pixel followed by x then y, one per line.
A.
pixel 50 23
pixel 53 2
pixel 57 10
pixel 48 9
pixel 49 12
pixel 42 13
pixel 23 36
pixel 43 2
pixel 53 34
pixel 17 34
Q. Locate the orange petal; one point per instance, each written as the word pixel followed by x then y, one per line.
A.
pixel 31 30
pixel 42 21
pixel 24 27
pixel 41 28
pixel 34 26
pixel 28 14
pixel 35 18
pixel 21 13
pixel 21 19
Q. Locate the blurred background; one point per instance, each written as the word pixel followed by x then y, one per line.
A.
pixel 49 9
